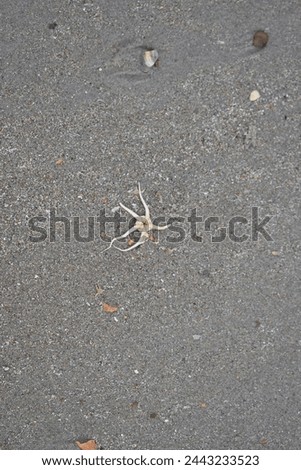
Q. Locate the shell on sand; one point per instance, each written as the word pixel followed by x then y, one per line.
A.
pixel 150 57
pixel 254 95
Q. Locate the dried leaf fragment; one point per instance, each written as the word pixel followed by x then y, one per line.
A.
pixel 134 405
pixel 109 308
pixel 59 162
pixel 263 441
pixel 88 445
pixel 168 250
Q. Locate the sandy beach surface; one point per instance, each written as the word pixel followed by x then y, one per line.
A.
pixel 191 340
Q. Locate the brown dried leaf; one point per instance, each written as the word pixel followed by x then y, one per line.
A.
pixel 88 445
pixel 131 242
pixel 109 308
pixel 59 162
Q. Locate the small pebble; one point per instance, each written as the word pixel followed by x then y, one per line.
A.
pixel 275 253
pixel 52 25
pixel 254 95
pixel 260 39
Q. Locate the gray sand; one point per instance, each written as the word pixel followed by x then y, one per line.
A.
pixel 204 349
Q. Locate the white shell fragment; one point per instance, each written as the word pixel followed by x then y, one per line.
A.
pixel 150 57
pixel 254 95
